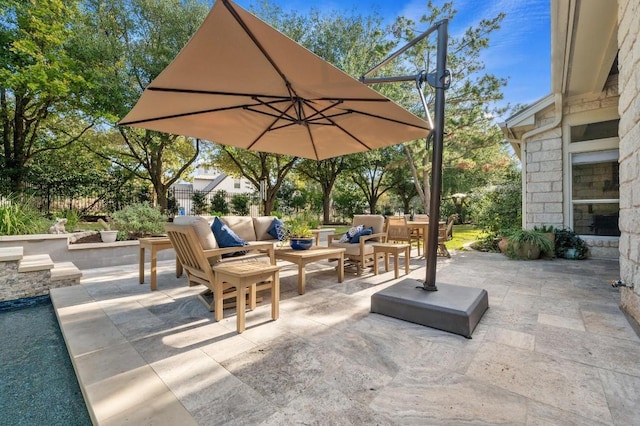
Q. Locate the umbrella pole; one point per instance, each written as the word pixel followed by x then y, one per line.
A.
pixel 440 84
pixel 440 81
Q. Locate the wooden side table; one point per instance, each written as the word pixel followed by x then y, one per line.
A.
pixel 155 245
pixel 395 250
pixel 244 276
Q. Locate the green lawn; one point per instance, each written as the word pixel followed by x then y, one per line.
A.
pixel 462 234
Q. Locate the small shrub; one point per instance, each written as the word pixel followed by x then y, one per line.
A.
pixel 219 205
pixel 140 220
pixel 199 203
pixel 240 205
pixel 20 218
pixel 498 208
pixel 487 243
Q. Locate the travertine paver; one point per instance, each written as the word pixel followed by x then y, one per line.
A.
pixel 553 346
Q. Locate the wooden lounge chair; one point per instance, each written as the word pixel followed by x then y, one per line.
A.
pixel 398 231
pixel 199 252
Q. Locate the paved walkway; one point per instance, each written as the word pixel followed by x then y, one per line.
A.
pixel 553 348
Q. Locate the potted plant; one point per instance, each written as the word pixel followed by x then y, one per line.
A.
pixel 300 235
pixel 569 245
pixel 106 234
pixel 527 244
pixel 548 231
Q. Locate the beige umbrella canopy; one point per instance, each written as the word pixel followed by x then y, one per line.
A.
pixel 240 82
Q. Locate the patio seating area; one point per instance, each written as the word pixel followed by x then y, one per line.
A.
pixel 553 348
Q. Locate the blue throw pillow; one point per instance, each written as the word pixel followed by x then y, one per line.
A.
pixel 277 229
pixel 226 237
pixel 356 238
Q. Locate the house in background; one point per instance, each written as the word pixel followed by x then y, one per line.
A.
pixel 209 181
pixel 580 145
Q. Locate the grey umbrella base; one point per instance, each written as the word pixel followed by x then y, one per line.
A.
pixel 452 308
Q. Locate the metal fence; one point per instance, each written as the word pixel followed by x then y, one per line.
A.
pixel 56 200
pixel 184 199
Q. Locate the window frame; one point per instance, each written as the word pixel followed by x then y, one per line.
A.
pixel 572 148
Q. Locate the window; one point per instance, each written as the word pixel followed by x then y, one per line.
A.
pixel 591 131
pixel 236 183
pixel 595 193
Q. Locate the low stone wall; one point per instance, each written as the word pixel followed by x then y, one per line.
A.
pixel 602 247
pixel 84 256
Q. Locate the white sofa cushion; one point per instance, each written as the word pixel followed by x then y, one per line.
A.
pixel 202 228
pixel 261 225
pixel 241 225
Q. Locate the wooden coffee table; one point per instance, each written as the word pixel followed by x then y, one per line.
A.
pixel 314 254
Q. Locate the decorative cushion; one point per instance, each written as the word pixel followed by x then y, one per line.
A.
pixel 376 221
pixel 350 233
pixel 226 237
pixel 201 226
pixel 277 229
pixel 364 231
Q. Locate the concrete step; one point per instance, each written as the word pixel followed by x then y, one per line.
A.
pixel 11 254
pixel 35 263
pixel 65 271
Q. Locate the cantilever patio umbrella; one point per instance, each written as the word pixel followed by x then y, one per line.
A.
pixel 240 82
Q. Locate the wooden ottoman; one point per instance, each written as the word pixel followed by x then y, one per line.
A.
pixel 244 276
pixel 395 250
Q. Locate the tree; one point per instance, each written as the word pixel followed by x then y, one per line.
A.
pixel 256 167
pixel 470 100
pixel 348 41
pixel 43 106
pixel 199 202
pixel 347 200
pixel 372 175
pixel 401 183
pixel 325 173
pixel 135 40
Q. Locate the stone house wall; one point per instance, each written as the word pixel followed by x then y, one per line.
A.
pixel 543 169
pixel 629 110
pixel 544 160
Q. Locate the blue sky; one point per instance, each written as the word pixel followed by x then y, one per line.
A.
pixel 519 51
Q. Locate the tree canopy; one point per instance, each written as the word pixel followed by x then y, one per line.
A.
pixel 71 69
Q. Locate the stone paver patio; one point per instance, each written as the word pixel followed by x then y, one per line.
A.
pixel 553 348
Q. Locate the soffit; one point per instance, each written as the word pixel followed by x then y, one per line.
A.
pixel 584 44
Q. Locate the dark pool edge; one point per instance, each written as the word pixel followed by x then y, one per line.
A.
pixel 24 302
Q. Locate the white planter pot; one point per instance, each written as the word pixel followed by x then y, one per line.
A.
pixel 108 236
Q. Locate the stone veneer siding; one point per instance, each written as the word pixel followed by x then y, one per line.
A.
pixel 543 156
pixel 17 285
pixel 629 110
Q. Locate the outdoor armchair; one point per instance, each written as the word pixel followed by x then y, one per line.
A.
pixel 358 245
pixel 198 251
